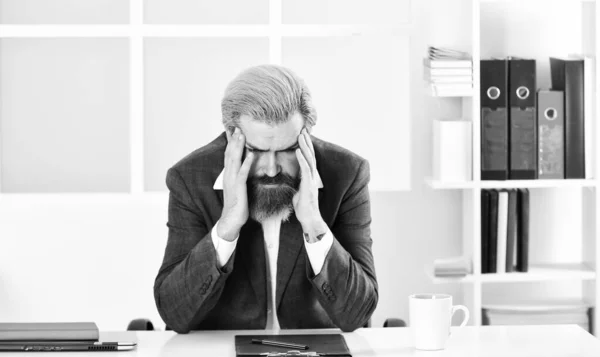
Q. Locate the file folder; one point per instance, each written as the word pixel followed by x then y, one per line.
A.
pixel 567 76
pixel 494 119
pixel 522 230
pixel 551 134
pixel 485 231
pixel 512 232
pixel 325 344
pixel 522 119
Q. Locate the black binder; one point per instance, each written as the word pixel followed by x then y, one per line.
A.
pixel 326 344
pixel 567 76
pixel 523 230
pixel 485 231
pixel 493 233
pixel 522 119
pixel 494 119
pixel 551 134
pixel 512 232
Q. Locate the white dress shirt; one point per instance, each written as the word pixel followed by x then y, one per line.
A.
pixel 316 252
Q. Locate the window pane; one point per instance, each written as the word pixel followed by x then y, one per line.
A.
pixel 346 11
pixel 64 115
pixel 185 82
pixel 64 11
pixel 360 87
pixel 206 11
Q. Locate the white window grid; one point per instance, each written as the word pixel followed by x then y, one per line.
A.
pixel 136 31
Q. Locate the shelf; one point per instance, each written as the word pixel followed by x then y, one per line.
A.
pixel 538 183
pixel 537 272
pixel 431 91
pixel 442 185
pixel 492 1
pixel 544 272
pixel 436 184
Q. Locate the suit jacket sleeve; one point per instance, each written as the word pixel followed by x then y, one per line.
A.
pixel 189 282
pixel 347 283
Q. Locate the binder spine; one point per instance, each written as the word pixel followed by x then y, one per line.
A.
pixel 574 121
pixel 568 76
pixel 522 119
pixel 494 120
pixel 550 118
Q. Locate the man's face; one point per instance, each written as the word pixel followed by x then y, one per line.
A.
pixel 274 176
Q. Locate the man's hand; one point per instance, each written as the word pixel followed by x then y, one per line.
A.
pixel 235 196
pixel 306 200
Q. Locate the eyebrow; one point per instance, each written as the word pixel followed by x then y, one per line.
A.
pixel 292 147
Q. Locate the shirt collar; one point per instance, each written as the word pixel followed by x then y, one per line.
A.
pixel 219 182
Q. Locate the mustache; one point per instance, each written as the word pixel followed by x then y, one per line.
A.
pixel 279 179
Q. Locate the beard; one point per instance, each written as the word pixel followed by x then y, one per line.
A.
pixel 269 201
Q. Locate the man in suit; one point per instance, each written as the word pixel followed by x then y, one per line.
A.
pixel 269 227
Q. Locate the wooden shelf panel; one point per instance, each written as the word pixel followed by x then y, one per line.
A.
pixel 442 185
pixel 538 183
pixel 445 185
pixel 501 1
pixel 537 272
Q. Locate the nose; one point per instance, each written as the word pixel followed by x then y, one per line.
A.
pixel 271 165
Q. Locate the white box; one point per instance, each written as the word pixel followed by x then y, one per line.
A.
pixel 452 150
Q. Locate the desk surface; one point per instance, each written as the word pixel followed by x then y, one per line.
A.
pixel 546 341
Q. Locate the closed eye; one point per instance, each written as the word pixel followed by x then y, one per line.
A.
pixel 291 149
pixel 288 150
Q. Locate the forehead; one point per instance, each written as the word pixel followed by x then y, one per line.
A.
pixel 271 137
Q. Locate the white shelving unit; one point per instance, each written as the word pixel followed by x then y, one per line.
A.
pixel 564 234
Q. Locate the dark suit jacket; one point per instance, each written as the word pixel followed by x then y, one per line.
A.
pixel 192 293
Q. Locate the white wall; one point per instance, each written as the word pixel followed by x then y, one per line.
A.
pixel 50 271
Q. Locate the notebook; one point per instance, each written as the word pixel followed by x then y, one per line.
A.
pixel 323 345
pixel 56 336
pixel 49 331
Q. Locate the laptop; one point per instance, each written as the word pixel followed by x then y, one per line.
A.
pixel 57 336
pixel 58 346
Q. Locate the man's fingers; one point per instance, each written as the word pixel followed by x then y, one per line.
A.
pixel 306 152
pixel 235 149
pixel 245 169
pixel 304 168
pixel 312 147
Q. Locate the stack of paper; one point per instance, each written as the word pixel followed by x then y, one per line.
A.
pixel 538 313
pixel 448 72
pixel 452 267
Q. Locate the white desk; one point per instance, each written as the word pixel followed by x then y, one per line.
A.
pixel 505 341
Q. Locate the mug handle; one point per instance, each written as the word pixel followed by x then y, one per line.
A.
pixel 465 312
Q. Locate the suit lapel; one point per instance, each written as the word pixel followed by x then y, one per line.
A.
pixel 252 251
pixel 290 245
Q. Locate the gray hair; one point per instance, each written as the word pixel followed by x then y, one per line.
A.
pixel 268 93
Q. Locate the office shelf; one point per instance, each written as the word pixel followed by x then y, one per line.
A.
pixel 536 272
pixel 564 214
pixel 441 185
pixel 537 183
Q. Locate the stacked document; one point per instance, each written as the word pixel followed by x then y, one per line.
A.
pixel 448 72
pixel 452 267
pixel 538 313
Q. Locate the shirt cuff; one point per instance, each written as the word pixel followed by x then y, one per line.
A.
pixel 223 247
pixel 317 251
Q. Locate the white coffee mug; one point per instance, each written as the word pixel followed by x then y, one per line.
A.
pixel 430 316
